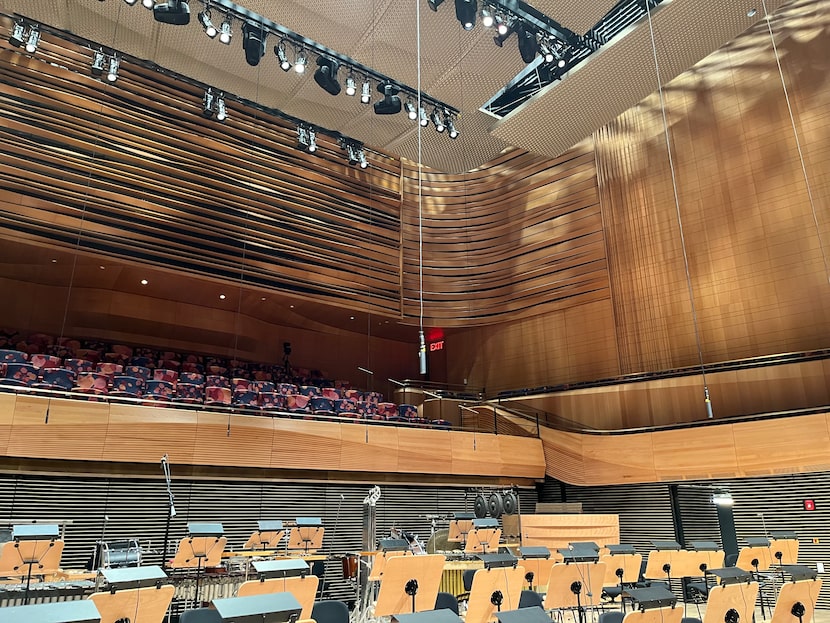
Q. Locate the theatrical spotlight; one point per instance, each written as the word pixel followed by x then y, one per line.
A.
pixel 465 13
pixel 422 117
pixel 207 23
pixel 326 75
pixel 391 103
pixel 98 61
pixel 528 47
pixel 253 42
pixel 411 111
pixel 282 56
pixel 32 40
pixel 355 153
pixel 546 51
pixel 307 138
pixel 451 129
pixel 130 2
pixel 225 32
pixel 112 72
pixel 300 62
pixel 351 87
pixel 437 121
pixel 176 12
pixel 148 4
pixel 366 92
pixel 434 4
pixel 213 104
pixel 18 35
pixel 488 20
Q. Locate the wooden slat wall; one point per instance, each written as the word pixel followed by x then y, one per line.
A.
pixel 789 445
pixel 754 252
pixel 518 237
pixel 41 428
pixel 767 389
pixel 133 169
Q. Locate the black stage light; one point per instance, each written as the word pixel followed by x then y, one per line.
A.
pixel 391 103
pixel 465 12
pixel 528 46
pixel 176 12
pixel 434 4
pixel 326 75
pixel 253 42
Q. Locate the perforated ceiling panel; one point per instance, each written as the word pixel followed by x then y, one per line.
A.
pixel 463 69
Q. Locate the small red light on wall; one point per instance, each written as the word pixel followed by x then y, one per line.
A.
pixel 809 505
pixel 436 346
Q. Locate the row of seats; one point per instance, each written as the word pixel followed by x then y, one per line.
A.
pixel 102 379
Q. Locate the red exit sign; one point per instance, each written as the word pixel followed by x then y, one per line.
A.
pixel 434 346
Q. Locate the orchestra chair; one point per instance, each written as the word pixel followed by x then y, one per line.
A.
pixel 446 601
pixel 528 599
pixel 611 616
pixel 330 611
pixel 201 615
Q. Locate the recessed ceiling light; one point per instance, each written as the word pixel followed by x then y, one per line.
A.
pixel 292 307
pixel 222 296
pixel 54 261
pixel 262 298
pixel 351 317
pixel 102 267
pixel 144 282
pixel 751 12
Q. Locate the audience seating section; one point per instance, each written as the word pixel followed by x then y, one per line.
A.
pixel 99 371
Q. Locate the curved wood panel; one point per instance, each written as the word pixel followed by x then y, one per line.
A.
pixel 784 445
pixel 89 431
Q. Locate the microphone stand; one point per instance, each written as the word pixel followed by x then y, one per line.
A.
pixel 165 465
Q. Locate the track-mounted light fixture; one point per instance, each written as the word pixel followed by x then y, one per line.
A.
pixel 307 138
pixel 354 152
pixel 366 91
pixel 282 56
pixel 225 31
pixel 32 40
pixel 391 103
pixel 148 4
pixel 18 34
pixel 112 72
pixel 351 87
pixel 301 61
pixel 451 129
pixel 176 12
pixel 326 75
pixel 434 4
pixel 465 12
pixel 207 23
pixel 423 119
pixel 411 111
pixel 213 104
pixel 99 59
pixel 130 2
pixel 253 42
pixel 437 121
pixel 488 19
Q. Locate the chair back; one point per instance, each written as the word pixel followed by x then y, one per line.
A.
pixel 330 611
pixel 201 615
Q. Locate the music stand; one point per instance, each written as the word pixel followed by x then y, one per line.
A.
pixel 306 535
pixel 268 608
pixel 460 525
pixel 135 593
pixel 81 611
pixel 430 616
pixel 284 576
pixel 537 562
pixel 620 548
pixel 268 535
pixel 534 614
pixel 653 597
pixel 569 582
pixel 784 546
pixel 797 600
pixel 393 545
pixel 484 535
pixel 622 566
pixel 33 542
pixel 492 589
pixel 732 575
pixel 731 603
pixel 409 584
pixel 705 546
pixel 203 538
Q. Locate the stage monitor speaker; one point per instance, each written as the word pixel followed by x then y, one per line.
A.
pixel 81 611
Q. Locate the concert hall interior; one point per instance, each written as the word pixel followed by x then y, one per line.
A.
pixel 487 276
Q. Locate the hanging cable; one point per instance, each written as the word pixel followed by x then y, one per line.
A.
pixel 706 398
pixel 768 20
pixel 422 346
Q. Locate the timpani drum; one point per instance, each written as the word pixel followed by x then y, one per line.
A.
pixel 350 563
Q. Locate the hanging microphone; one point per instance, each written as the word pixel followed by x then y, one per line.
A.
pixel 422 352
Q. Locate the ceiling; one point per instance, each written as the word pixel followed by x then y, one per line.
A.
pixel 464 69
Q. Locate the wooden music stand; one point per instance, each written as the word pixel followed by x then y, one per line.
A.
pixel 269 540
pixel 303 588
pixel 379 563
pixel 137 605
pixel 308 539
pixel 630 565
pixel 760 553
pixel 788 549
pixel 739 597
pixel 507 580
pixel 656 615
pixel 189 547
pixel 11 557
pixel 541 568
pixel 804 592
pixel 459 528
pixel 656 562
pixel 399 571
pixel 589 574
pixel 482 540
